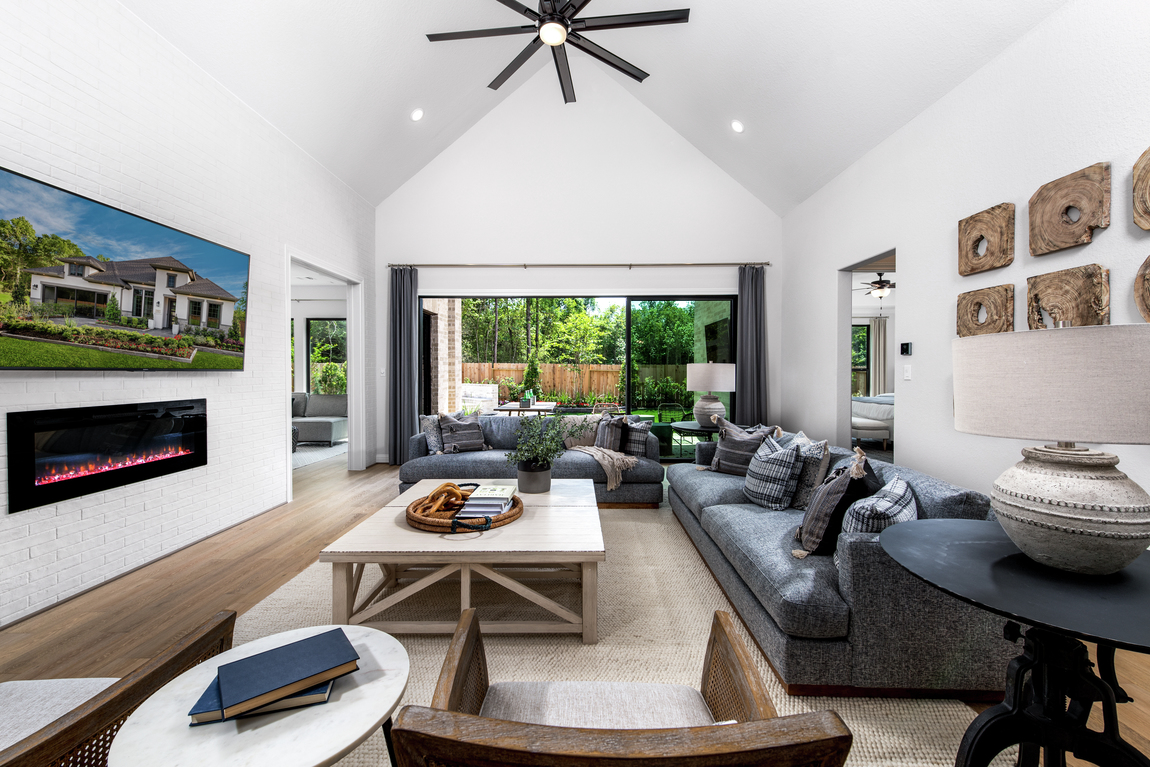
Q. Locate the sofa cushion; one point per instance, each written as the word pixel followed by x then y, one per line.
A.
pixel 320 405
pixel 700 489
pixel 499 431
pixel 801 595
pixel 31 704
pixel 572 464
pixel 480 464
pixel 772 475
pixel 597 705
pixel 298 404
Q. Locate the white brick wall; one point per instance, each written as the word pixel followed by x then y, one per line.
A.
pixel 93 101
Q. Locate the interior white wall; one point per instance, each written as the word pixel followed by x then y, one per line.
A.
pixel 1070 93
pixel 603 180
pixel 94 101
pixel 321 302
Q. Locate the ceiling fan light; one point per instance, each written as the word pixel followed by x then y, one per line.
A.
pixel 880 292
pixel 737 126
pixel 416 115
pixel 553 33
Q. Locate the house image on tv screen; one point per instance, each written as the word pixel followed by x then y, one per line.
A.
pixel 160 290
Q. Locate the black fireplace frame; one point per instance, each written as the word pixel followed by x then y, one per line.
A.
pixel 24 493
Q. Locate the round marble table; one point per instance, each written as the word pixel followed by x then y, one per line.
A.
pixel 158 732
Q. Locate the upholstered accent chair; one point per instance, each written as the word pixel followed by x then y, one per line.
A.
pixel 731 720
pixel 72 721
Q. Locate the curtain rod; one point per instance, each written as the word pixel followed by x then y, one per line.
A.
pixel 577 266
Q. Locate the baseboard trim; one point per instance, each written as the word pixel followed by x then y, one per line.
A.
pixel 628 505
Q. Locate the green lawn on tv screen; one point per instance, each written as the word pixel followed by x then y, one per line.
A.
pixel 17 353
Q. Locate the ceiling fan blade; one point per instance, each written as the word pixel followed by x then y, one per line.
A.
pixel 520 8
pixel 564 70
pixel 604 55
pixel 517 62
pixel 547 7
pixel 571 10
pixel 632 20
pixel 437 37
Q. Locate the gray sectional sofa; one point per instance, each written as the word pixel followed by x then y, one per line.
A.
pixel 319 417
pixel 642 486
pixel 864 627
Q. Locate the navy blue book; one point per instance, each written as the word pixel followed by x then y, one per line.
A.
pixel 255 681
pixel 208 708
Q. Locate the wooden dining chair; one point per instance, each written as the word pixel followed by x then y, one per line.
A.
pixel 83 735
pixel 730 720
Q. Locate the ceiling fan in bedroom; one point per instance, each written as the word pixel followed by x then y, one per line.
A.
pixel 879 288
pixel 555 25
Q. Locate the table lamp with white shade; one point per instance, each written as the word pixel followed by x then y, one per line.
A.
pixel 1063 505
pixel 710 377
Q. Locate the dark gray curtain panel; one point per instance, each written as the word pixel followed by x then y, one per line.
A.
pixel 751 367
pixel 403 392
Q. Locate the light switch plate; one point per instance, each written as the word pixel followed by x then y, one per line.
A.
pixel 906 372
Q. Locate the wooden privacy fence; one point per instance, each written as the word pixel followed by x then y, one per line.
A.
pixel 595 379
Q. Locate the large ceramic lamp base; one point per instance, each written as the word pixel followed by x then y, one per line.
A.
pixel 1070 508
pixel 707 406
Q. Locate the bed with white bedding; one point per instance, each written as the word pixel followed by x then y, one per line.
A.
pixel 871 416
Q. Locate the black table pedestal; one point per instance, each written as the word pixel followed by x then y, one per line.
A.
pixel 1052 669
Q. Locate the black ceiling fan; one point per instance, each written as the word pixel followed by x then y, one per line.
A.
pixel 879 287
pixel 555 25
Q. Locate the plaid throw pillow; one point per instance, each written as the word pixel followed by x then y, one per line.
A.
pixel 737 446
pixel 635 438
pixel 819 532
pixel 461 435
pixel 892 504
pixel 610 433
pixel 772 475
pixel 816 459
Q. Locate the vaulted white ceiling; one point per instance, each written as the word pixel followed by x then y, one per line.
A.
pixel 818 83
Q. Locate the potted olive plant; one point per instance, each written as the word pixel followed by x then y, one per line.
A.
pixel 539 442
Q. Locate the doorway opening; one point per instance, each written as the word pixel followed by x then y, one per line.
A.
pixel 867 316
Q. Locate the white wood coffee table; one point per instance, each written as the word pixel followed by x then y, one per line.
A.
pixel 558 530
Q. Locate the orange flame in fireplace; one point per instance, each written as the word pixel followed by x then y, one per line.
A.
pixel 111 463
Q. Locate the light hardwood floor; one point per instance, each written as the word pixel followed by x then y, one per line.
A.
pixel 112 629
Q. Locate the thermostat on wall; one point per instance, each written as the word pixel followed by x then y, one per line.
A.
pixel 904 349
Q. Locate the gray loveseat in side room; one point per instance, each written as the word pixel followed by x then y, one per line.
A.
pixel 642 486
pixel 866 626
pixel 319 417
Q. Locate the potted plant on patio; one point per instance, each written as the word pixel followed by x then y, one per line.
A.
pixel 539 442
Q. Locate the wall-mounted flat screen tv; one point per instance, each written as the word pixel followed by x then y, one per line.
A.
pixel 87 286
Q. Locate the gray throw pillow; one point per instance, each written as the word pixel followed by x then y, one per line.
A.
pixel 772 475
pixel 590 426
pixel 461 435
pixel 737 446
pixel 893 503
pixel 429 425
pixel 635 438
pixel 816 459
pixel 298 404
pixel 610 432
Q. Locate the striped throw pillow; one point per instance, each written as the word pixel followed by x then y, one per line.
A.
pixel 819 532
pixel 737 446
pixel 610 433
pixel 461 435
pixel 772 475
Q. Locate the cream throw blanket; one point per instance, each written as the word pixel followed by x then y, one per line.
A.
pixel 613 463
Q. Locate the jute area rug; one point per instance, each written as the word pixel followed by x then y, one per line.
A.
pixel 656 602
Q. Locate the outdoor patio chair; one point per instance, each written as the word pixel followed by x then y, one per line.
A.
pixel 607 407
pixel 669 412
pixel 731 721
pixel 83 734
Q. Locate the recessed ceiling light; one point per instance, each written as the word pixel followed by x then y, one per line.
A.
pixel 737 126
pixel 416 115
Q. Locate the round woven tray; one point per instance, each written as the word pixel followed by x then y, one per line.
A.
pixel 452 525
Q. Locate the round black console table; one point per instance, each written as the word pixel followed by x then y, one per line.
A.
pixel 1051 686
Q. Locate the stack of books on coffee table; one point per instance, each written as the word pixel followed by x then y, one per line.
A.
pixel 487 501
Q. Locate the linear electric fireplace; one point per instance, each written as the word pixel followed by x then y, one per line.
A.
pixel 54 455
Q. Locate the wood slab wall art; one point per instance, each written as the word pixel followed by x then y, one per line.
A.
pixel 1052 228
pixel 995 226
pixel 1142 290
pixel 1142 193
pixel 1080 295
pixel 999 304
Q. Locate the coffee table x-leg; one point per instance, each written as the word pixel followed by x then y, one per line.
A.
pixel 347 578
